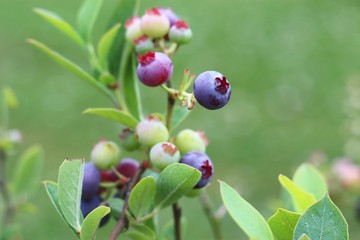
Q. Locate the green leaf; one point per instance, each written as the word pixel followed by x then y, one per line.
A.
pixel 130 82
pixel 245 215
pixel 122 12
pixel 283 223
pixel 142 197
pixel 175 181
pixel 69 191
pixel 300 199
pixel 105 44
pixel 116 205
pixel 139 232
pixel 115 115
pixel 52 191
pixel 60 24
pixel 310 180
pixel 87 16
pixel 323 220
pixel 72 67
pixel 304 237
pixel 92 222
pixel 167 232
pixel 28 172
pixel 179 115
pixel 10 98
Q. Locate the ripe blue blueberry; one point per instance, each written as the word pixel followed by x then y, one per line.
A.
pixel 87 206
pixel 201 162
pixel 91 180
pixel 212 90
pixel 155 68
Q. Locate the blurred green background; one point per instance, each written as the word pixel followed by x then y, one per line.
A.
pixel 288 63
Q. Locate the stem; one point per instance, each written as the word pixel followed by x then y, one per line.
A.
pixel 122 217
pixel 213 218
pixel 9 210
pixel 177 220
pixel 121 101
pixel 170 107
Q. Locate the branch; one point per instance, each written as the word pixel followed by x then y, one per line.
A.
pixel 122 217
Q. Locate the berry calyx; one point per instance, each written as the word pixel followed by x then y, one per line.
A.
pixel 154 69
pixel 201 162
pixel 212 90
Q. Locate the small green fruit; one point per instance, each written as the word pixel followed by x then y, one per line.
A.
pixel 164 154
pixel 189 140
pixel 105 155
pixel 151 131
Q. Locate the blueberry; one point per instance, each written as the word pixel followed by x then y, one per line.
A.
pixel 180 33
pixel 91 180
pixel 155 68
pixel 201 162
pixel 153 24
pixel 189 140
pixel 212 90
pixel 164 154
pixel 151 131
pixel 105 154
pixel 171 16
pixel 87 206
pixel 128 167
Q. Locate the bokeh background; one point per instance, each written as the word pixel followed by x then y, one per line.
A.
pixel 289 63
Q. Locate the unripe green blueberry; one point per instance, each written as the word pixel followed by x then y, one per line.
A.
pixel 154 24
pixel 180 33
pixel 133 29
pixel 129 140
pixel 164 154
pixel 105 154
pixel 151 131
pixel 143 45
pixel 189 140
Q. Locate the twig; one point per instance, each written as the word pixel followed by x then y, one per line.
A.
pixel 122 217
pixel 170 107
pixel 177 220
pixel 213 218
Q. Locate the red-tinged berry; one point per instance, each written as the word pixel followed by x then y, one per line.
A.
pixel 91 181
pixel 164 154
pixel 212 90
pixel 180 33
pixel 128 167
pixel 201 162
pixel 133 29
pixel 154 69
pixel 171 16
pixel 153 24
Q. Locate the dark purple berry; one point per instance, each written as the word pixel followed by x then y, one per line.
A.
pixel 91 180
pixel 154 68
pixel 87 206
pixel 201 162
pixel 128 167
pixel 212 90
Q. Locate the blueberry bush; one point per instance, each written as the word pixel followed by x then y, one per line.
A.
pixel 112 186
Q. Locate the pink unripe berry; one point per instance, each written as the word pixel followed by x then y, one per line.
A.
pixel 164 154
pixel 133 29
pixel 154 69
pixel 154 24
pixel 169 13
pixel 151 131
pixel 105 154
pixel 189 140
pixel 180 33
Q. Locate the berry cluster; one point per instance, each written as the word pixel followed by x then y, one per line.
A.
pixel 156 37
